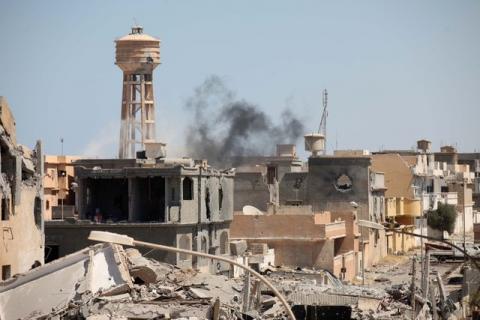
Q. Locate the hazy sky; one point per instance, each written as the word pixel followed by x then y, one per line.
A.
pixel 396 71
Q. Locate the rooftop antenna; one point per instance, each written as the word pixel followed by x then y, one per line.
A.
pixel 316 143
pixel 322 128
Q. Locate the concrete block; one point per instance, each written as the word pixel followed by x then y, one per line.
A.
pixel 256 259
pixel 238 247
pixel 258 248
pixel 155 150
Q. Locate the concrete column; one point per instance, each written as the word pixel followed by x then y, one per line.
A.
pixel 80 200
pixel 131 199
pixel 17 184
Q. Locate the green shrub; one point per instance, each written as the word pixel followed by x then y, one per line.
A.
pixel 443 218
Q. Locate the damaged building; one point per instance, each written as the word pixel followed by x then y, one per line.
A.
pixel 175 202
pixel 21 223
pixel 326 191
pixel 302 238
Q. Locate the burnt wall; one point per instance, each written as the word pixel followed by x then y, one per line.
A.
pixel 293 188
pixel 334 182
pixel 250 189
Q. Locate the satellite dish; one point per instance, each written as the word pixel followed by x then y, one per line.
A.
pixel 251 211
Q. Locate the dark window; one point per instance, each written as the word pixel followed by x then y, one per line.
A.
pixel 430 188
pixel 220 198
pixel 207 202
pixel 187 188
pixel 6 272
pixel 37 212
pixel 5 215
pixel 47 205
pixel 173 194
pixel 271 175
pixel 444 189
pixel 52 252
pixel 455 280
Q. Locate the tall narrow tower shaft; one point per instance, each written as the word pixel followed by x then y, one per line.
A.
pixel 137 54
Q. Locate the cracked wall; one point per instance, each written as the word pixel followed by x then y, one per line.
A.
pixel 21 206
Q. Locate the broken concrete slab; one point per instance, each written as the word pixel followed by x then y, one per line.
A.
pixel 258 248
pixel 238 247
pixel 147 270
pixel 53 286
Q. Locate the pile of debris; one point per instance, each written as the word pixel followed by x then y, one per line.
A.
pixel 105 281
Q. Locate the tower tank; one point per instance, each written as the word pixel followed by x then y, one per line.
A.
pixel 137 54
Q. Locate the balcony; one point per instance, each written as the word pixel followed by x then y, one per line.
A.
pixel 333 230
pixel 412 208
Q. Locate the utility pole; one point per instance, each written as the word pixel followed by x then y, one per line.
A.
pixel 433 300
pixel 464 214
pixel 246 289
pixel 362 231
pixel 426 275
pixel 412 287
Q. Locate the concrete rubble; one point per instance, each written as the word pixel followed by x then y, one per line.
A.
pixel 106 281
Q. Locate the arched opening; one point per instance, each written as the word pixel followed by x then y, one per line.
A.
pixel 184 243
pixel 224 242
pixel 187 186
pixel 203 246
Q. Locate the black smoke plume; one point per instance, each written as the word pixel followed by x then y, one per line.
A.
pixel 224 128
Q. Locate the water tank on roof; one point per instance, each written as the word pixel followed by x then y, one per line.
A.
pixel 315 143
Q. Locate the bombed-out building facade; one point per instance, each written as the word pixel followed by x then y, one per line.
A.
pixel 175 202
pixel 21 198
pixel 328 194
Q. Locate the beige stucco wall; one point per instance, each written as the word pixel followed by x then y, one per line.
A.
pixel 22 241
pixel 398 174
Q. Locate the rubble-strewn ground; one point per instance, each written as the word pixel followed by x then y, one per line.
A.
pixel 150 289
pixel 397 270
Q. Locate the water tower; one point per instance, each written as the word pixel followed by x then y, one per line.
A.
pixel 315 143
pixel 137 54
